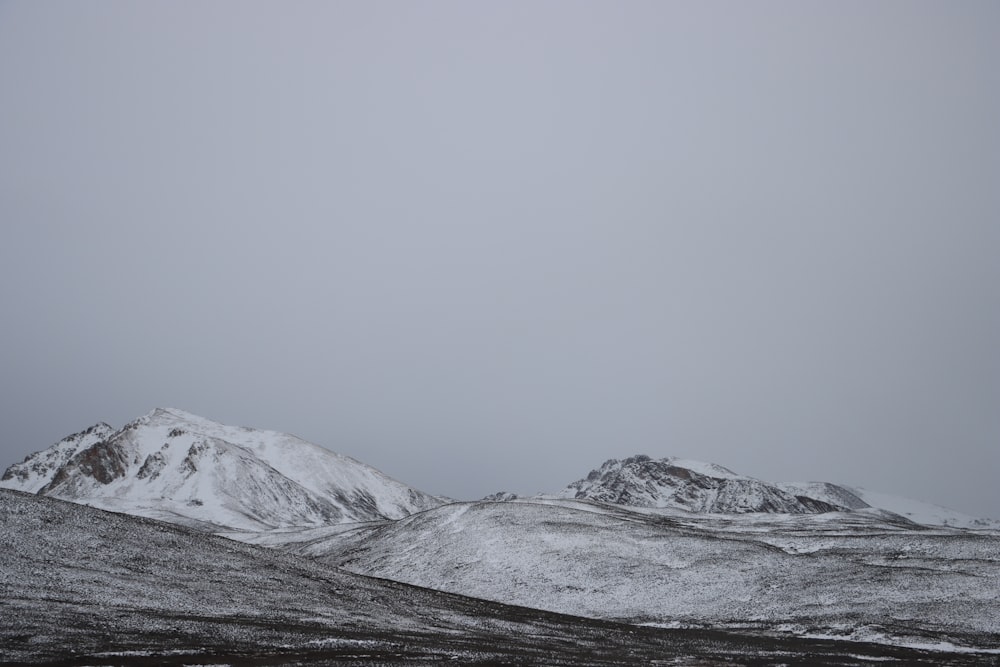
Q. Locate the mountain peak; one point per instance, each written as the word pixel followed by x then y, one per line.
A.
pixel 173 413
pixel 640 460
pixel 174 465
pixel 163 415
pixel 689 485
pixel 37 469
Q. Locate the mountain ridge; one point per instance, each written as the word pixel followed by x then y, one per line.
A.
pixel 180 467
pixel 174 465
pixel 642 541
pixel 696 486
pixel 641 481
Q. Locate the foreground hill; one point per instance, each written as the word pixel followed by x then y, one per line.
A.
pixel 179 467
pixel 81 587
pixel 863 574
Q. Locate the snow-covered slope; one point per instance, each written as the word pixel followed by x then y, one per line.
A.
pixel 179 467
pixel 691 485
pixel 832 494
pixel 924 513
pixel 85 587
pixel 850 574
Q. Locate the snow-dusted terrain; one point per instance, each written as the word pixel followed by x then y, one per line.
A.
pixel 183 468
pixel 660 543
pixel 87 587
pixel 863 573
pixel 81 582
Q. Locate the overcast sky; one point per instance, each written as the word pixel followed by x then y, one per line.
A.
pixel 489 245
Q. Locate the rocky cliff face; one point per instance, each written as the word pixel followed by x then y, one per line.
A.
pixel 38 469
pixel 640 481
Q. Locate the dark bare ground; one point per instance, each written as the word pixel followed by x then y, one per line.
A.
pixel 553 640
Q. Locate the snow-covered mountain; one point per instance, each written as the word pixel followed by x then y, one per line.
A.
pixel 695 486
pixel 666 542
pixel 640 481
pixel 179 467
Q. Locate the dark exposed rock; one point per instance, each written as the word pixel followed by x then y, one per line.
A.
pixel 105 462
pixel 152 466
pixel 501 496
pixel 189 465
pixel 817 506
pixel 41 464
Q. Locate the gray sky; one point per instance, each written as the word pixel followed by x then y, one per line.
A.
pixel 487 246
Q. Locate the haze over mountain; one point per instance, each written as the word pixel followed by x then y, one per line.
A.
pixel 520 237
pixel 746 254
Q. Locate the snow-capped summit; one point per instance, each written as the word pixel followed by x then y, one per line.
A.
pixel 695 486
pixel 179 467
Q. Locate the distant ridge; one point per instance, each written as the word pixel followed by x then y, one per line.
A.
pixel 176 466
pixel 696 486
